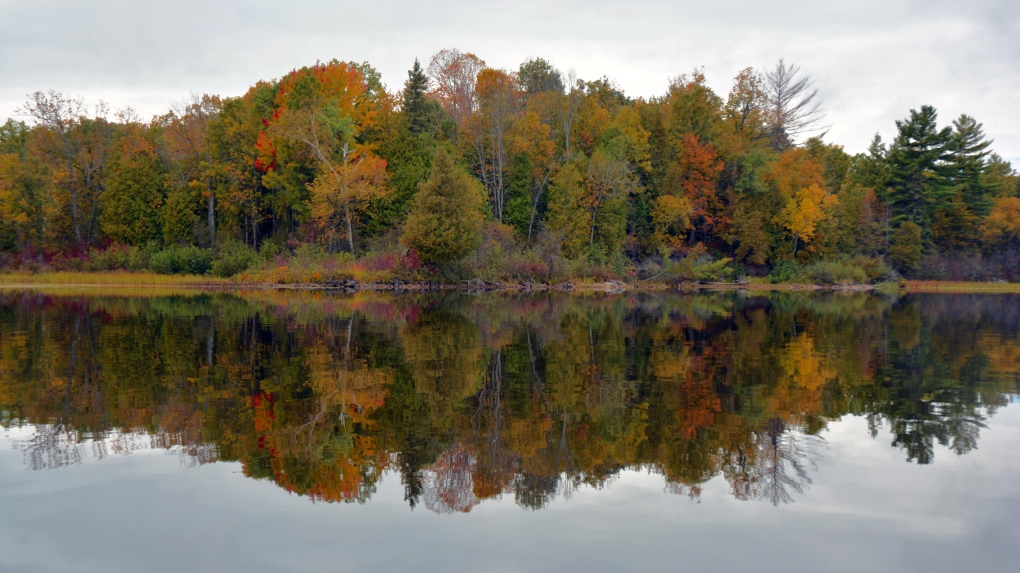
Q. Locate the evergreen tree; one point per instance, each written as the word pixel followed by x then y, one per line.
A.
pixel 444 224
pixel 419 115
pixel 871 170
pixel 920 170
pixel 970 150
pixel 130 210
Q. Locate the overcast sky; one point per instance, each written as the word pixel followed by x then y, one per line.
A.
pixel 872 60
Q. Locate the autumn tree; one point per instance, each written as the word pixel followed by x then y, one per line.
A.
pixel 793 172
pixel 327 108
pixel 746 109
pixel 598 188
pixel 490 131
pixel 804 211
pixel 454 75
pixel 79 143
pixel 1002 227
pixel 692 182
pixel 185 149
pixel 535 161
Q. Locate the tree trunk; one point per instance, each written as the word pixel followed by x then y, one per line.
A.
pixel 212 218
pixel 350 226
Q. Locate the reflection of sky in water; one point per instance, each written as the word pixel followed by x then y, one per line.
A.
pixel 866 509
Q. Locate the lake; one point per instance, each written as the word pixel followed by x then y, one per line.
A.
pixel 300 431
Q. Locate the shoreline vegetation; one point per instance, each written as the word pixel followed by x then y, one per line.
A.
pixel 147 280
pixel 477 178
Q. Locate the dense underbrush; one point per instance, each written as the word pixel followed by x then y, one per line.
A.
pixel 501 259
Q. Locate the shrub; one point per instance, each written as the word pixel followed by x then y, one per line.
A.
pixel 181 260
pixel 874 267
pixel 832 273
pixel 233 258
pixel 906 247
pixel 115 258
pixel 858 270
pixel 698 265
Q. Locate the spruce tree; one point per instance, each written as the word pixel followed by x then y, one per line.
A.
pixel 416 108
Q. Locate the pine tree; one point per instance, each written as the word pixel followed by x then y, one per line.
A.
pixel 970 150
pixel 920 172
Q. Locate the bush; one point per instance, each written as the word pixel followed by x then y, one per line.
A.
pixel 115 258
pixel 905 250
pixel 833 273
pixel 234 258
pixel 874 267
pixel 698 265
pixel 969 266
pixel 787 272
pixel 181 260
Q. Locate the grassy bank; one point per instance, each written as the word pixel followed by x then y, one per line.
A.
pixel 377 281
pixel 960 287
pixel 110 278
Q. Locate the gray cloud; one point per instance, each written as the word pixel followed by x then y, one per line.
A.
pixel 872 60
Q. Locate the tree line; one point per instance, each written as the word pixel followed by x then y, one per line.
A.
pixel 519 174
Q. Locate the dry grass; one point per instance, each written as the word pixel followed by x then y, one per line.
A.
pixel 113 291
pixel 285 275
pixel 961 287
pixel 113 278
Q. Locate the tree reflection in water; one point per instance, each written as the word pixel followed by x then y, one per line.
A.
pixel 469 398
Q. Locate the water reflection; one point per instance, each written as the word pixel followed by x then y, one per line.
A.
pixel 474 397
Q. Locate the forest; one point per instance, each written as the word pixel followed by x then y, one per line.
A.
pixel 515 176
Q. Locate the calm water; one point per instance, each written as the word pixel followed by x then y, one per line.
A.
pixel 271 431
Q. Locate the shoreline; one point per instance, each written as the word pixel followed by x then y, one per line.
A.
pixel 150 280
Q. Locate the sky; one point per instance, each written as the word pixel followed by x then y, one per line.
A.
pixel 866 509
pixel 871 60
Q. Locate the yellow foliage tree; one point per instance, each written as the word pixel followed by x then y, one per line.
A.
pixel 804 211
pixel 1003 223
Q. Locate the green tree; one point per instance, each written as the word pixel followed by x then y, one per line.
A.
pixel 537 75
pixel 421 112
pixel 130 208
pixel 14 137
pixel 446 220
pixel 920 171
pixel 408 144
pixel 969 159
pixel 565 195
pixel 906 247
